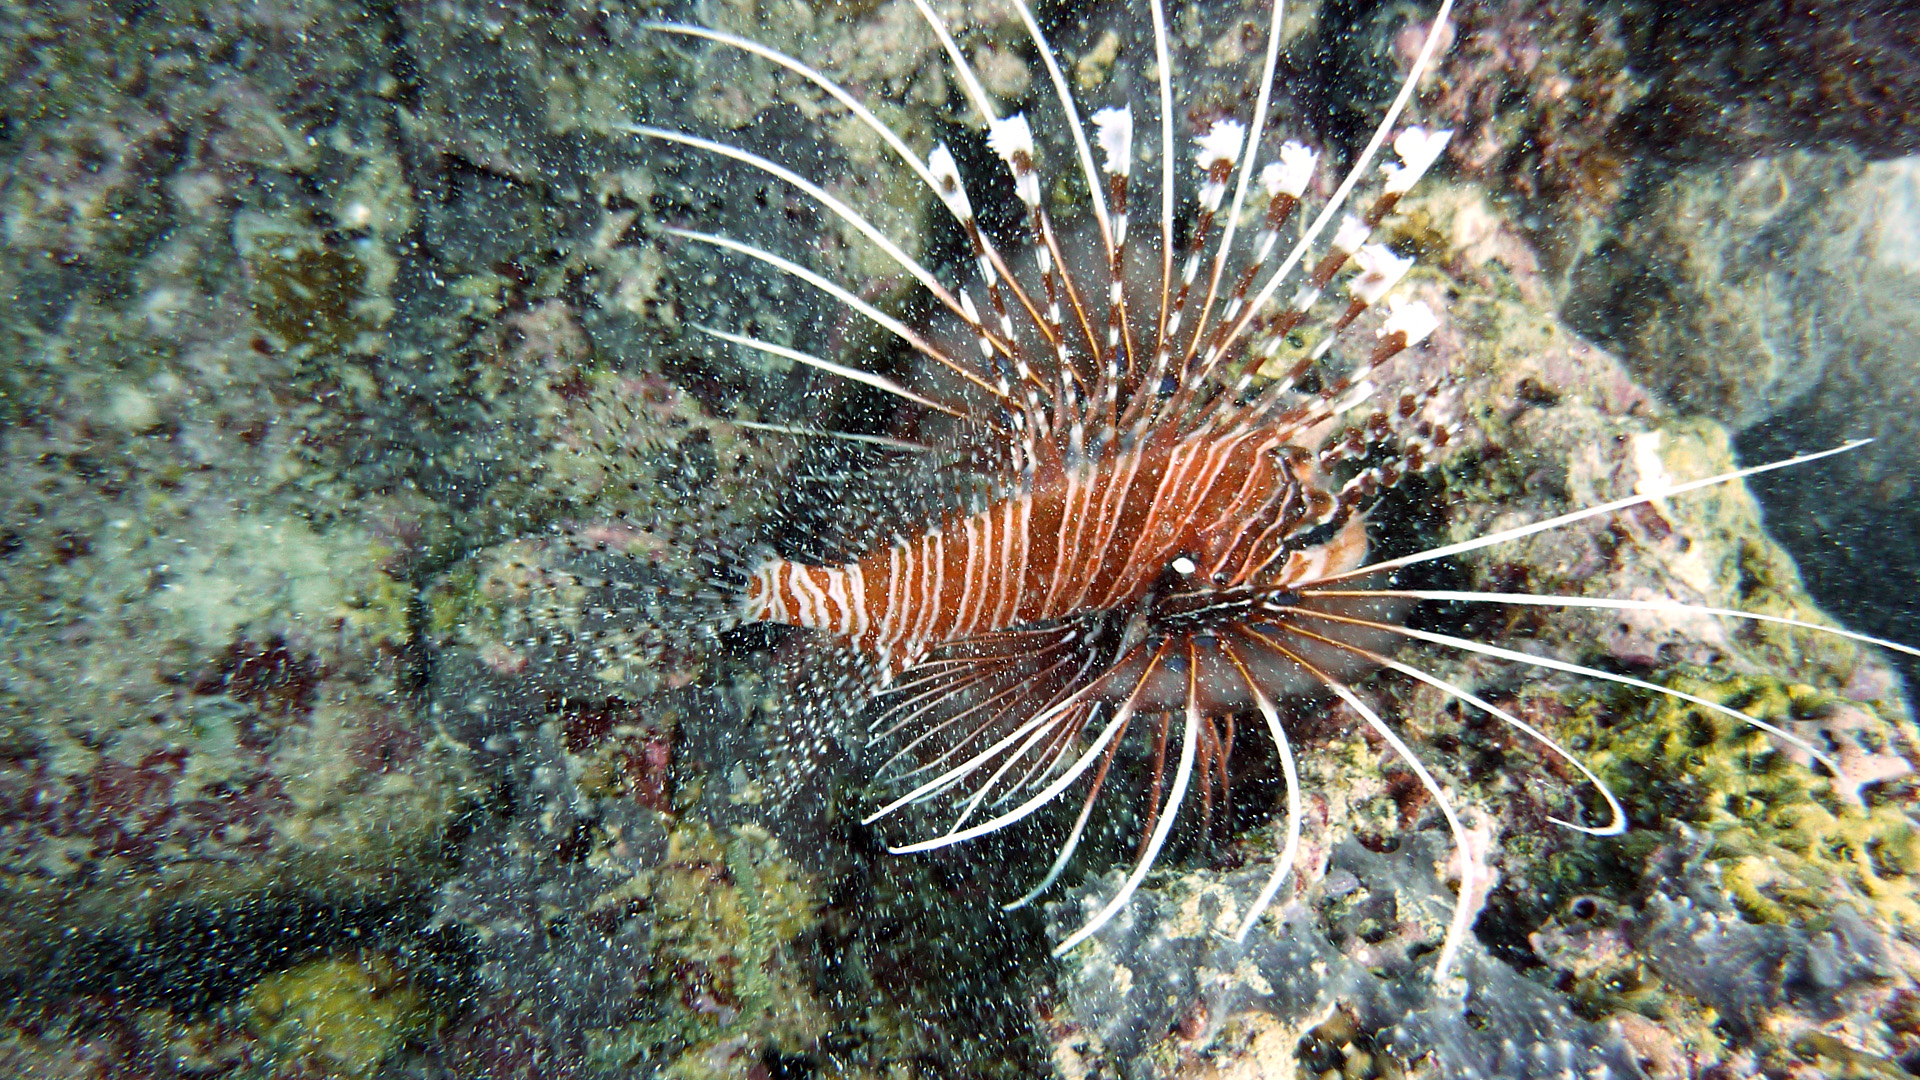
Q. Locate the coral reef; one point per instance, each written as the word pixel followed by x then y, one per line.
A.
pixel 340 1016
pixel 1724 287
pixel 1737 88
pixel 1168 993
pixel 1719 194
pixel 353 430
pixel 1775 296
pixel 682 955
pixel 1541 94
pixel 1568 106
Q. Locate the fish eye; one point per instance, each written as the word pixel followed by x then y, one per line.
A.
pixel 1184 566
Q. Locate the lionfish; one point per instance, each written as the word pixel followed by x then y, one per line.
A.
pixel 1166 530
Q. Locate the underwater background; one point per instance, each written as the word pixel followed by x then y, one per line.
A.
pixel 322 321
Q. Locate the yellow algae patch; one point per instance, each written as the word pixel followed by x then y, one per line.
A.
pixel 343 1013
pixel 1788 842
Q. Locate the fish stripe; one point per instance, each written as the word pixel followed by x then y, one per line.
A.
pixel 1092 535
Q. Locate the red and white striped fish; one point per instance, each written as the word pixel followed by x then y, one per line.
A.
pixel 1174 536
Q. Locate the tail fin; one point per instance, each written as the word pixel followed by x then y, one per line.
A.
pixel 609 602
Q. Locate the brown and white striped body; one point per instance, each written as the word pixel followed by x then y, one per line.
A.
pixel 1096 536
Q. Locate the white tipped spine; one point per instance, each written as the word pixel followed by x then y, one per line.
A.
pixel 1272 175
pixel 1293 172
pixel 946 183
pixel 1380 271
pixel 1217 150
pixel 1221 144
pixel 1418 149
pixel 1416 320
pixel 1009 136
pixel 814 191
pixel 1352 233
pixel 1074 126
pixel 1011 139
pixel 868 378
pixel 1439 27
pixel 1113 130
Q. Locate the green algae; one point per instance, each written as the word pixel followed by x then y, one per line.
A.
pixel 1818 1048
pixel 724 911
